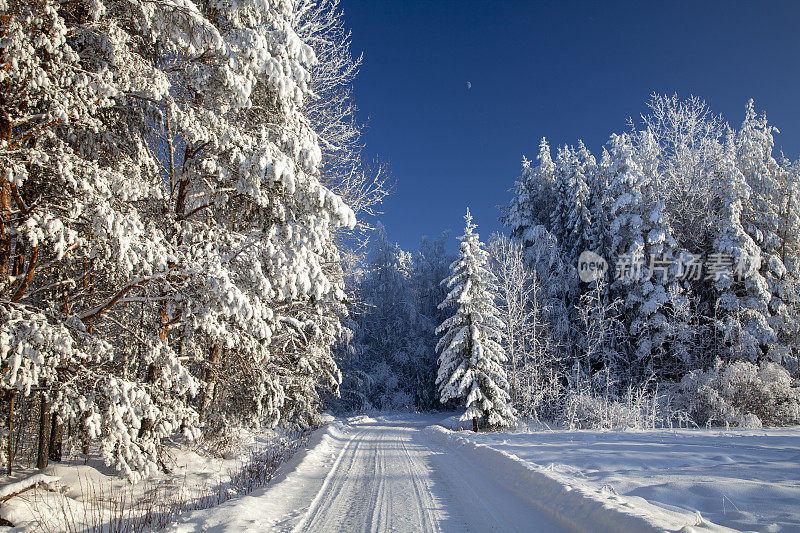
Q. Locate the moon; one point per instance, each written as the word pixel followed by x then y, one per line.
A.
pixel 469 85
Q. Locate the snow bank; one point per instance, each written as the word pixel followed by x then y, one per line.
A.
pixel 284 501
pixel 82 497
pixel 571 502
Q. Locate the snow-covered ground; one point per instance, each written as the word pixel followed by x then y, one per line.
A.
pixel 742 479
pixel 405 473
pixel 381 474
pixel 75 496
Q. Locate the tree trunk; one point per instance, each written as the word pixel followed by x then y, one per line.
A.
pixel 56 436
pixel 10 442
pixel 6 129
pixel 84 437
pixel 475 424
pixel 144 429
pixel 44 432
pixel 147 423
pixel 211 381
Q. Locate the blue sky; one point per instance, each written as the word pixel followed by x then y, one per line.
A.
pixel 564 70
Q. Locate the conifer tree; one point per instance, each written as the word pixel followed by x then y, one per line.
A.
pixel 533 192
pixel 580 222
pixel 762 220
pixel 564 202
pixel 471 360
pixel 431 266
pixel 742 297
pixel 165 225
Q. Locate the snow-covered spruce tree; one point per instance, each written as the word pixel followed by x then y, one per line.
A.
pixel 583 167
pixel 763 222
pixel 471 359
pixel 644 252
pixel 599 211
pixel 786 318
pixel 628 261
pixel 660 302
pixel 528 217
pixel 565 199
pixel 740 310
pixel 569 214
pixel 531 205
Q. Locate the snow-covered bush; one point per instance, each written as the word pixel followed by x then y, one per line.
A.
pixel 638 408
pixel 741 394
pixel 583 410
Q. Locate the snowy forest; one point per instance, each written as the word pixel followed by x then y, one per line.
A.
pixel 692 321
pixel 190 245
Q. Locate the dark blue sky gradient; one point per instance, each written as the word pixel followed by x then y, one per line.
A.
pixel 564 70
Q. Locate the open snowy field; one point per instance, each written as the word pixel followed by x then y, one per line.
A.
pixel 742 479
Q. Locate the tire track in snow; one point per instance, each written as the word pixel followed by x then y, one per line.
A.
pixel 423 494
pixel 331 487
pixel 390 477
pixel 381 512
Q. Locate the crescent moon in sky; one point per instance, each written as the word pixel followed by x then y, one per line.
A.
pixel 469 85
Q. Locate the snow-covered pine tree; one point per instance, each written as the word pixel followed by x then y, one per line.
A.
pixel 161 200
pixel 533 191
pixel 252 224
pixel 763 222
pixel 583 167
pixel 76 173
pixel 741 307
pixel 471 358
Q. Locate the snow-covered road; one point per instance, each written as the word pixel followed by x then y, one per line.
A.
pixel 384 474
pixel 391 476
pixel 402 472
